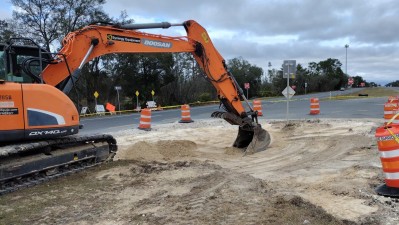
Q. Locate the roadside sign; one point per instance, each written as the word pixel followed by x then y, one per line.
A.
pixel 289 67
pixel 153 92
pixel 246 86
pixel 118 88
pixel 291 92
pixel 350 81
pixel 137 93
pixel 84 110
pixel 96 94
pixel 100 109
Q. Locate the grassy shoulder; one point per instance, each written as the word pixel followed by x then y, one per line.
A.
pixel 370 92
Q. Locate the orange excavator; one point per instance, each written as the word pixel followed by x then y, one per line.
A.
pixel 39 123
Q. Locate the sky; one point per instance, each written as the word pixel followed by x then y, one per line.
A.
pixel 263 31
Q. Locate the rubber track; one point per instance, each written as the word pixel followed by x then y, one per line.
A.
pixel 13 149
pixel 60 142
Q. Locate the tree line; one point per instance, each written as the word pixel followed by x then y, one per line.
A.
pixel 175 78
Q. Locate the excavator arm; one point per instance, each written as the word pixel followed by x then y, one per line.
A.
pixel 93 41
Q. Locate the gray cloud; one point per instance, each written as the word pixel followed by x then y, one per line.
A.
pixel 274 30
pixel 317 29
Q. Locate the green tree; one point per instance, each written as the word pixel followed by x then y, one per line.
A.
pixel 7 30
pixel 393 84
pixel 50 20
pixel 244 72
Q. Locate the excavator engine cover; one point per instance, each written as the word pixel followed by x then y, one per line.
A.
pixel 255 140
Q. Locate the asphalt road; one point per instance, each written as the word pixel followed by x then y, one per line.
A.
pixel 276 108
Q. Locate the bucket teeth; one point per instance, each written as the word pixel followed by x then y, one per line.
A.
pixel 254 141
pixel 260 141
pixel 217 114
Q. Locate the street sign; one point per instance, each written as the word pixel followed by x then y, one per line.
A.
pixel 100 109
pixel 137 93
pixel 350 81
pixel 291 92
pixel 153 92
pixel 289 67
pixel 118 88
pixel 246 86
pixel 84 110
pixel 96 94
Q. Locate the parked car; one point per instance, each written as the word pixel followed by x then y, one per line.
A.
pixel 342 89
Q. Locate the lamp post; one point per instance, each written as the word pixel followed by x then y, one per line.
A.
pixel 346 59
pixel 269 72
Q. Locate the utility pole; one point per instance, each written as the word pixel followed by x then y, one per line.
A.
pixel 346 59
pixel 269 71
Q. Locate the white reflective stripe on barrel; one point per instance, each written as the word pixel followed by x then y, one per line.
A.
pixel 389 154
pixel 392 176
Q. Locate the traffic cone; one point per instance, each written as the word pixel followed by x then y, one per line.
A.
pixel 145 119
pixel 314 106
pixel 257 105
pixel 388 147
pixel 185 114
pixel 390 109
pixel 393 99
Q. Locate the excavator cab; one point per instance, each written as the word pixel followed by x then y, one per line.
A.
pixel 30 109
pixel 16 63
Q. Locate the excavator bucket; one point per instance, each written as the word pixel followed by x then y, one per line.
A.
pixel 255 140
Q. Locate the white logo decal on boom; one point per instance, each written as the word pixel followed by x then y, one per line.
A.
pixel 157 44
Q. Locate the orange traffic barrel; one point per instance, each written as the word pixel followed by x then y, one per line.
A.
pixel 393 99
pixel 257 105
pixel 390 110
pixel 145 119
pixel 314 106
pixel 185 114
pixel 388 146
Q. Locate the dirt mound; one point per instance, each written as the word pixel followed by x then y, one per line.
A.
pixel 159 150
pixel 314 172
pixel 183 192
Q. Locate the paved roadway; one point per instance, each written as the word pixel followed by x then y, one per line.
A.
pixel 275 108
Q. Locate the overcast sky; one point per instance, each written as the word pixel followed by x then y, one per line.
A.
pixel 263 31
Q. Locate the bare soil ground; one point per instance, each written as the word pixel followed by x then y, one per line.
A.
pixel 314 172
